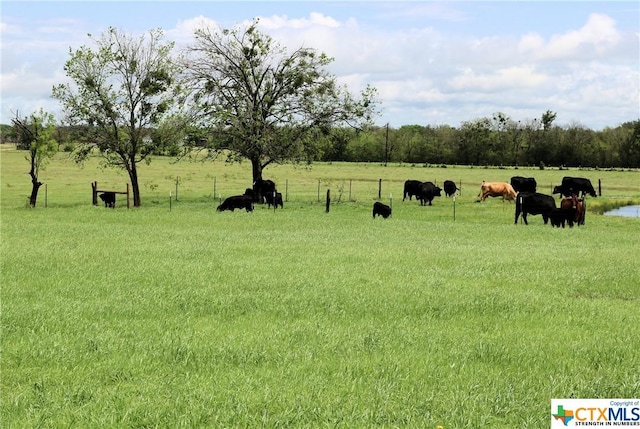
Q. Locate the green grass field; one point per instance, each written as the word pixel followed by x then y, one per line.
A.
pixel 179 316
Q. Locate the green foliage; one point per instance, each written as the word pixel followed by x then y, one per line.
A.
pixel 36 135
pixel 263 102
pixel 121 90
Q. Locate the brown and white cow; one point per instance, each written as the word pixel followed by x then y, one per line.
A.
pixel 497 189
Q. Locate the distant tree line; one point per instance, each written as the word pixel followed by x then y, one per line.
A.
pixel 493 141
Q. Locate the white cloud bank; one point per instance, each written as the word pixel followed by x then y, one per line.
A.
pixel 588 75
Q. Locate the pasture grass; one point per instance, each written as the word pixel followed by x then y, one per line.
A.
pixel 186 317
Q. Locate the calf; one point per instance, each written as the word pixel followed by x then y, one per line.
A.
pixel 450 187
pixel 559 217
pixel 109 199
pixel 236 202
pixel 274 200
pixel 381 209
pixel 535 204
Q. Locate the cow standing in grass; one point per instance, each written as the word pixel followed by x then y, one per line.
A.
pixel 412 188
pixel 428 191
pixel 274 199
pixel 450 188
pixel 576 209
pixel 109 199
pixel 578 186
pixel 262 188
pixel 524 184
pixel 534 203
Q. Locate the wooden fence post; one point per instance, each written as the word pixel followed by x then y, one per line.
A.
pixel 379 188
pixel 599 187
pixel 328 200
pixel 94 193
pixel 128 203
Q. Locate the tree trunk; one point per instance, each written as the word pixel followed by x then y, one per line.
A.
pixel 256 172
pixel 34 191
pixel 35 184
pixel 135 186
pixel 256 169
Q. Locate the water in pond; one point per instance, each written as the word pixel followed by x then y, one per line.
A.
pixel 627 211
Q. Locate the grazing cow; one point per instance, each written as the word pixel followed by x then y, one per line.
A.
pixel 262 188
pixel 109 199
pixel 576 208
pixel 381 209
pixel 428 191
pixel 275 202
pixel 450 187
pixel 535 204
pixel 524 184
pixel 559 217
pixel 497 189
pixel 575 186
pixel 412 188
pixel 237 202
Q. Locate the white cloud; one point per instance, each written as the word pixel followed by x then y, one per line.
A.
pixel 596 37
pixel 182 33
pixel 519 77
pixel 276 22
pixel 423 73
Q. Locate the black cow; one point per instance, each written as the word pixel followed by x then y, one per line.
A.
pixel 524 184
pixel 109 199
pixel 560 216
pixel 381 209
pixel 269 197
pixel 249 192
pixel 578 186
pixel 428 191
pixel 412 188
pixel 535 204
pixel 237 202
pixel 261 188
pixel 450 187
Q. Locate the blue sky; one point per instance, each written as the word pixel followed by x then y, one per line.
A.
pixel 433 63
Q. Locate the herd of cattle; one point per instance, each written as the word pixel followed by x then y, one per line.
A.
pixel 521 189
pixel 524 191
pixel 263 191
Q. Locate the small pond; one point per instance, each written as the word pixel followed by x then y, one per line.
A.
pixel 627 211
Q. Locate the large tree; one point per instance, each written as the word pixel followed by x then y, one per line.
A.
pixel 261 102
pixel 121 91
pixel 36 134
